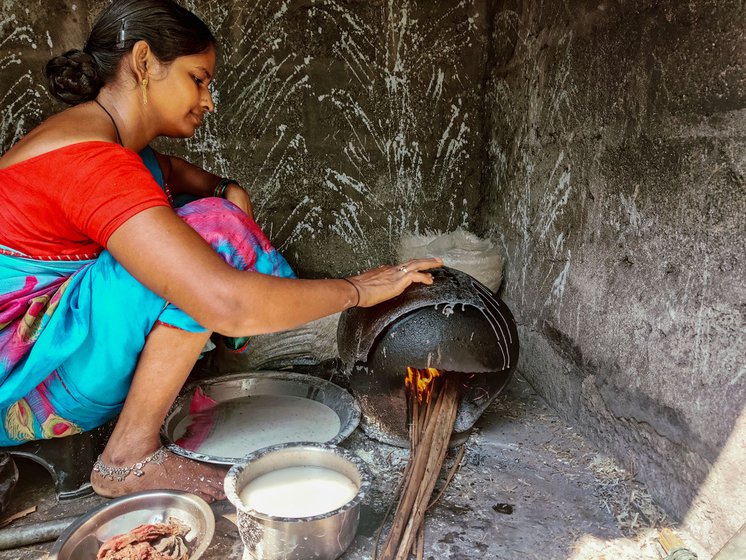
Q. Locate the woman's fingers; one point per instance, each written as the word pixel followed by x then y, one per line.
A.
pixel 423 264
pixel 386 282
pixel 419 264
pixel 422 277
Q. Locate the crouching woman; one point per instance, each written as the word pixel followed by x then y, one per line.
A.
pixel 107 292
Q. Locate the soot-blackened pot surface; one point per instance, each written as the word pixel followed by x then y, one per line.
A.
pixel 452 294
pixel 455 325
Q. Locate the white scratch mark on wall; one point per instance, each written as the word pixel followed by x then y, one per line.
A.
pixel 388 129
pixel 554 200
pixel 630 208
pixel 703 322
pixel 301 222
pixel 558 286
pixel 262 80
pixel 19 98
pixel 534 103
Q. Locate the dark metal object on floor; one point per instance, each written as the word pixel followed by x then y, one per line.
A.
pixel 8 479
pixel 69 460
pixel 455 325
pixel 24 535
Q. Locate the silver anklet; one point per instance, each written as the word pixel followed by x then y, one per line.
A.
pixel 120 473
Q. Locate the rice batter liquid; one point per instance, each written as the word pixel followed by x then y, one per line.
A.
pixel 298 492
pixel 241 426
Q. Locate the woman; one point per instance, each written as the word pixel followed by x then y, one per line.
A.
pixel 107 294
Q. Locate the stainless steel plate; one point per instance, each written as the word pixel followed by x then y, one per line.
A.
pixel 232 388
pixel 83 538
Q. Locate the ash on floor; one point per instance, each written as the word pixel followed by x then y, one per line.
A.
pixel 529 487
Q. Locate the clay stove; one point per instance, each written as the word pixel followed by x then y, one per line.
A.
pixel 455 325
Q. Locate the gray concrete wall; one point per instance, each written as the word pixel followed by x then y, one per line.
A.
pixel 617 157
pixel 610 164
pixel 349 122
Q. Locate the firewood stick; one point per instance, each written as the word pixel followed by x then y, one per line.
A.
pixel 428 484
pixel 426 405
pixel 412 424
pixel 422 414
pixel 444 426
pixel 438 453
pixel 436 421
pixel 435 390
pixel 415 521
pixel 415 434
pixel 403 481
pixel 418 548
pixel 399 518
pixel 416 518
pixel 426 441
pixel 397 497
pixel 451 473
pixel 419 460
pixel 432 451
pixel 416 424
pixel 421 543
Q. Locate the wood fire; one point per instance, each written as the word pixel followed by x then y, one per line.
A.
pixel 419 383
pixel 432 400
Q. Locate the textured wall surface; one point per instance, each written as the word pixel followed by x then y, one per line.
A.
pixel 349 121
pixel 611 165
pixel 617 155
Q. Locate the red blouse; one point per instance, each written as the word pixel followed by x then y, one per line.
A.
pixel 68 202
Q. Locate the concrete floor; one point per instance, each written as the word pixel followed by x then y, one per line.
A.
pixel 529 487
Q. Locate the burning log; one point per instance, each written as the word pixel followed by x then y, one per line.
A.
pixel 432 403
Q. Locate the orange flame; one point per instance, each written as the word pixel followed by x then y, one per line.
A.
pixel 419 382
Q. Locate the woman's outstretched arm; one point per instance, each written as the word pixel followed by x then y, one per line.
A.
pixel 172 260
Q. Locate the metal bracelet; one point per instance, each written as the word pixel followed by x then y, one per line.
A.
pixel 357 290
pixel 120 473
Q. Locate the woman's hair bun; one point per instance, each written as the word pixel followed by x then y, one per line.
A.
pixel 73 77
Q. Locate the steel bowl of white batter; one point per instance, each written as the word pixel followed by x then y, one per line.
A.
pixel 297 501
pixel 223 419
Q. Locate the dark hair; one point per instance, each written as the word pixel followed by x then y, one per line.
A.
pixel 170 30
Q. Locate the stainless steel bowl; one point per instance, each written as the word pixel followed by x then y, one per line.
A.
pixel 82 540
pixel 280 383
pixel 322 537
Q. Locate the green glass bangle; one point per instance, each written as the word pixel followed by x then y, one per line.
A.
pixel 222 185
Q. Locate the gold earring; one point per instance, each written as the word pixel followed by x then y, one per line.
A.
pixel 144 87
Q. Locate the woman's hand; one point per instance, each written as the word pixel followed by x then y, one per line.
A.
pixel 238 196
pixel 183 177
pixel 385 282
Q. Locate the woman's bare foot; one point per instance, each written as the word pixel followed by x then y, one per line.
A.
pixel 173 473
pixel 164 364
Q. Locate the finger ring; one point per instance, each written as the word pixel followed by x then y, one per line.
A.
pixel 403 268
